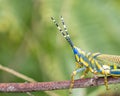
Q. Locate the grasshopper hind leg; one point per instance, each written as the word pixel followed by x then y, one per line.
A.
pixel 106 82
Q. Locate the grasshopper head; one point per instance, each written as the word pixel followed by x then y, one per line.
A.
pixel 77 54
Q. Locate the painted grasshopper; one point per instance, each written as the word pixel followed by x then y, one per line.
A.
pixel 96 63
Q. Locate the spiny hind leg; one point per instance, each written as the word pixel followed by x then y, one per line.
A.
pixel 106 82
pixel 72 77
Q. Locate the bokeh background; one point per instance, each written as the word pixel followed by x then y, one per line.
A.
pixel 31 44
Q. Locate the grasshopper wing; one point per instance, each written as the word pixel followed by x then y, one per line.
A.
pixel 109 58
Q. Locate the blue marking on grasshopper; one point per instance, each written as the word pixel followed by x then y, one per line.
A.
pixel 115 72
pixel 80 69
pixel 76 52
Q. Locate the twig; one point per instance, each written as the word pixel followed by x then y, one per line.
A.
pixel 43 86
pixel 24 77
pixel 17 74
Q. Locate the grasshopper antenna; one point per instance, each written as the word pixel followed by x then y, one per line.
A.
pixel 64 32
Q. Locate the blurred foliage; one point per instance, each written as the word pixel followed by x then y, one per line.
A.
pixel 30 42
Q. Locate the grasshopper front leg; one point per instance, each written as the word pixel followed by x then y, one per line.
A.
pixel 72 77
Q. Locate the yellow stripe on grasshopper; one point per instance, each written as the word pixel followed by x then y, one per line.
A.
pixel 91 70
pixel 99 67
pixel 84 63
pixel 114 66
pixel 77 58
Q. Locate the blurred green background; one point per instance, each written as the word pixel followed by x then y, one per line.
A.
pixel 31 44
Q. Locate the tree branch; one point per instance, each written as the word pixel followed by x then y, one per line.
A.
pixel 22 76
pixel 45 86
pixel 17 74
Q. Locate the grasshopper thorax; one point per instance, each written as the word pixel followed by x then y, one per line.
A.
pixel 77 52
